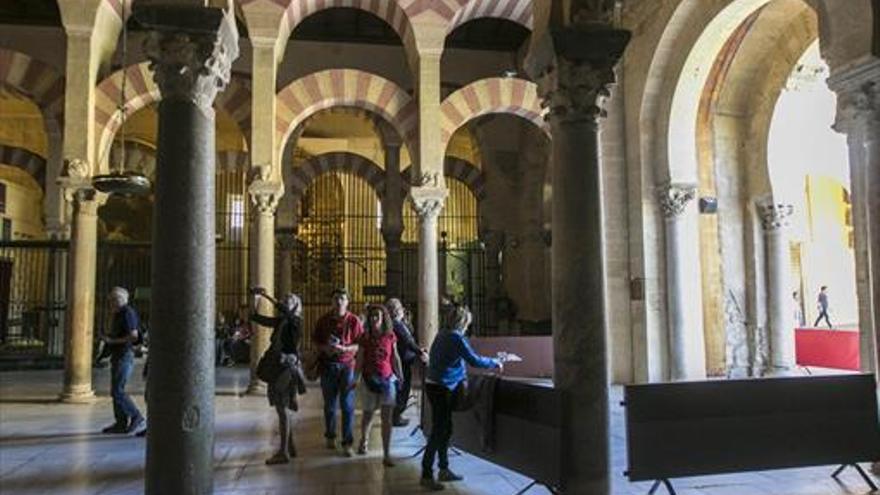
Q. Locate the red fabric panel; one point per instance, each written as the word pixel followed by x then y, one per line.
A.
pixel 837 349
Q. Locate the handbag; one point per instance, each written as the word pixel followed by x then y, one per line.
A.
pixel 269 367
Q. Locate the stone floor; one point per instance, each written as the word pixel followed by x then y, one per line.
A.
pixel 51 448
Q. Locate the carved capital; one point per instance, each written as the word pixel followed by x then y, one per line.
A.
pixel 774 216
pixel 574 67
pixel 192 65
pixel 429 180
pixel 427 202
pixel 592 11
pixel 674 198
pixel 858 97
pixel 265 195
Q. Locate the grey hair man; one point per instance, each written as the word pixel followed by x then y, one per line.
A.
pixel 120 339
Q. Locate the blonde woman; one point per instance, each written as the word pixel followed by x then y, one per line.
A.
pixel 447 372
pixel 282 392
pixel 409 351
pixel 378 366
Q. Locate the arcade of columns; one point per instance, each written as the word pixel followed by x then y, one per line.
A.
pixel 572 57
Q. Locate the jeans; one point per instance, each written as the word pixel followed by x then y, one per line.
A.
pixel 823 314
pixel 124 409
pixel 442 402
pixel 336 383
pixel 405 388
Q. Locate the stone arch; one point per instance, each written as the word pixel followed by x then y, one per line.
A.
pixel 390 11
pixel 142 91
pixel 345 87
pixel 36 81
pixel 493 95
pixel 33 164
pixel 459 169
pixel 337 161
pixel 518 11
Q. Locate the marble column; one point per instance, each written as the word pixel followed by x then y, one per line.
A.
pixel 775 223
pixel 573 67
pixel 392 221
pixel 684 307
pixel 264 196
pixel 80 316
pixel 191 50
pixel 428 201
pixel 858 116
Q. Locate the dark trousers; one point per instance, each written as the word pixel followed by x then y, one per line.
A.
pixel 405 388
pixel 124 409
pixel 336 385
pixel 442 402
pixel 823 314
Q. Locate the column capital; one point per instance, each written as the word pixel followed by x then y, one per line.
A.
pixel 774 216
pixel 428 201
pixel 265 195
pixel 858 96
pixel 574 67
pixel 673 198
pixel 190 50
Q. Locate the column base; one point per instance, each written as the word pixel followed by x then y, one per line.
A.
pixel 78 397
pixel 783 371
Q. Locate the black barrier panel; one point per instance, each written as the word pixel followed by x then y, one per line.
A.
pixel 527 435
pixel 699 428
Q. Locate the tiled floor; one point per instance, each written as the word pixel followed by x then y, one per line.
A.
pixel 51 448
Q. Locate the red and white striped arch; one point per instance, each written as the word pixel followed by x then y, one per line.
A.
pixel 337 161
pixel 493 95
pixel 390 11
pixel 32 163
pixel 141 91
pixel 345 88
pixel 459 169
pixel 518 11
pixel 36 81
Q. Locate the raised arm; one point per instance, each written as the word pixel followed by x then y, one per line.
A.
pixel 266 321
pixel 472 358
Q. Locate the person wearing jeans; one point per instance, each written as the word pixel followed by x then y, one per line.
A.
pixel 336 337
pixel 447 374
pixel 123 333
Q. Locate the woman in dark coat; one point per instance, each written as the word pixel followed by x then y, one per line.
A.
pixel 282 391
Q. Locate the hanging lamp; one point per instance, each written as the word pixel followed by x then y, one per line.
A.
pixel 120 181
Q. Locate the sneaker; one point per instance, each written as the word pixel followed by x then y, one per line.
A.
pixel 400 422
pixel 362 448
pixel 431 484
pixel 348 450
pixel 330 443
pixel 136 426
pixel 446 475
pixel 141 434
pixel 387 462
pixel 115 428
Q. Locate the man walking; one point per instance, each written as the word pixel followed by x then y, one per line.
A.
pixel 336 335
pixel 409 351
pixel 822 306
pixel 123 334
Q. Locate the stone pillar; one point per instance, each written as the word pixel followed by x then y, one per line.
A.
pixel 573 67
pixel 84 55
pixel 190 50
pixel 684 307
pixel 858 116
pixel 775 223
pixel 392 221
pixel 80 316
pixel 427 202
pixel 264 195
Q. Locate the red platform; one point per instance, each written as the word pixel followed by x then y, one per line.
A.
pixel 837 349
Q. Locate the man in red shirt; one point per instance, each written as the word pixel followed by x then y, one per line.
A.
pixel 336 335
